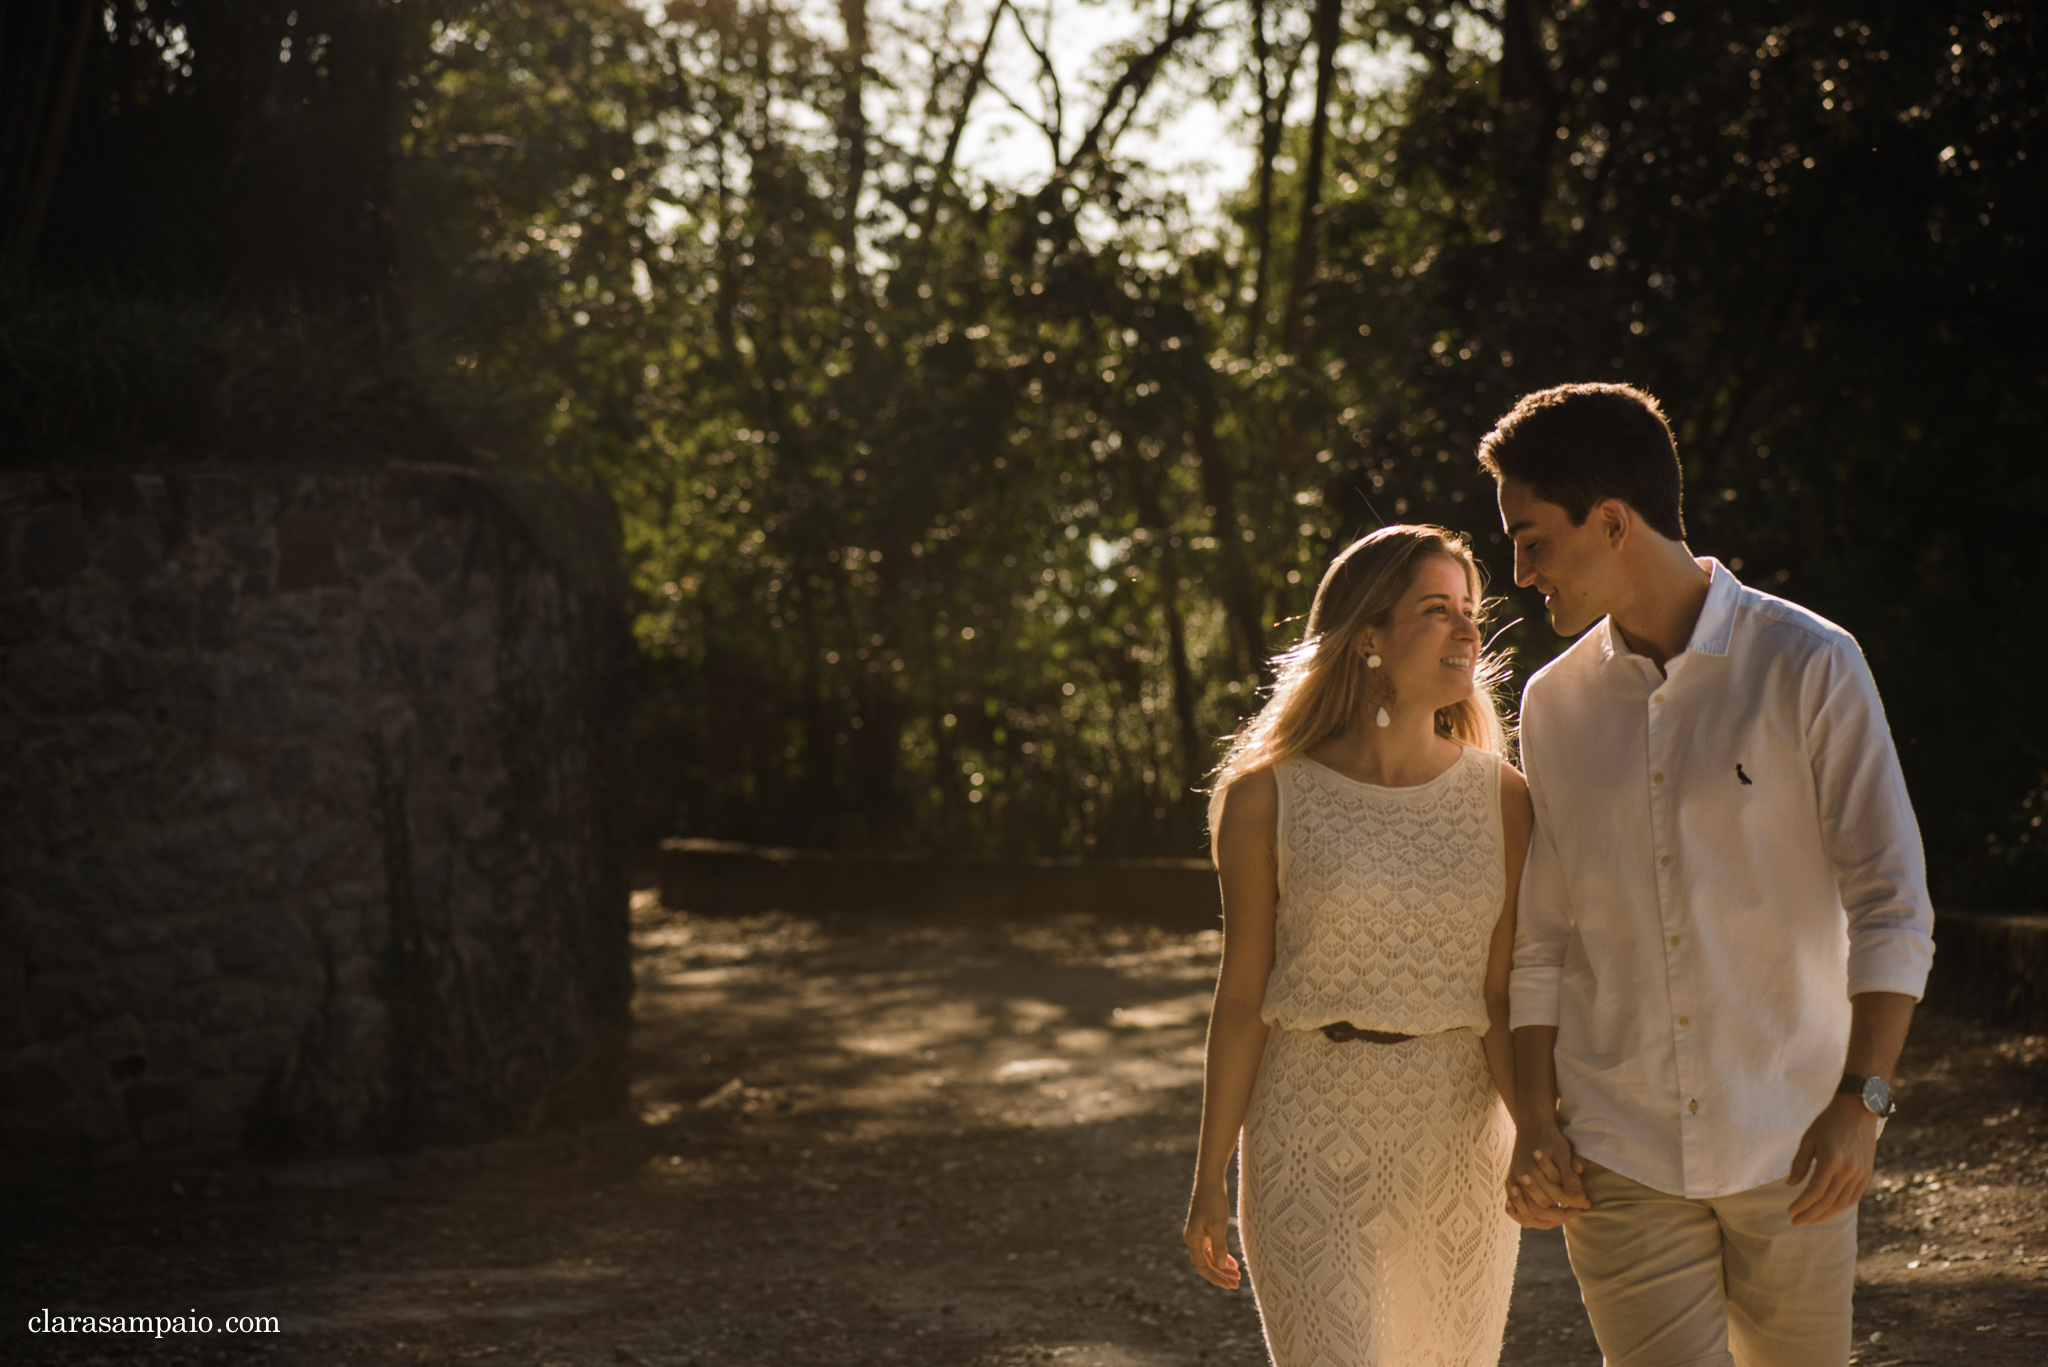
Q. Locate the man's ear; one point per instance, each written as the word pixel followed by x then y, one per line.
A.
pixel 1616 520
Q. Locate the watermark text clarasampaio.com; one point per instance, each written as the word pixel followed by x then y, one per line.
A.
pixel 155 1325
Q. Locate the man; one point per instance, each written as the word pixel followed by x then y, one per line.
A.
pixel 1723 924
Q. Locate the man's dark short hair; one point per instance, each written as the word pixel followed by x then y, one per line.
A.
pixel 1578 444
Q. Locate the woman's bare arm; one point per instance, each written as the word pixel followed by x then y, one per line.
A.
pixel 1518 821
pixel 1247 865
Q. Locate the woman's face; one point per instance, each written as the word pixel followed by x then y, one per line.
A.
pixel 1430 644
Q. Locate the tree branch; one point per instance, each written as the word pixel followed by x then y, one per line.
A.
pixel 1134 82
pixel 942 172
pixel 1049 74
pixel 1329 33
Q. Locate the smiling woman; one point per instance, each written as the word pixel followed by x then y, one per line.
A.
pixel 1404 583
pixel 1368 835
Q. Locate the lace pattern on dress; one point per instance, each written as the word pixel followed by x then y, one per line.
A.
pixel 1388 899
pixel 1371 1176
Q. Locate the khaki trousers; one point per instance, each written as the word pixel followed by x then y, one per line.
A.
pixel 1718 1281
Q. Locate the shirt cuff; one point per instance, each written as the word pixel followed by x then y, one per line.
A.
pixel 1532 995
pixel 1890 961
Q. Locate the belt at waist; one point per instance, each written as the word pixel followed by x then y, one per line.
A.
pixel 1343 1032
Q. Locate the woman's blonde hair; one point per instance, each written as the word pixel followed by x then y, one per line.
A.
pixel 1321 685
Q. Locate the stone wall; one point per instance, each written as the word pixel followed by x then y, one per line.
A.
pixel 310 827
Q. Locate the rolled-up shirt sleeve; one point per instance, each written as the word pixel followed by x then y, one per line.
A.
pixel 1867 828
pixel 1543 926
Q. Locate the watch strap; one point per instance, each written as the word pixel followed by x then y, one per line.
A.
pixel 1852 1084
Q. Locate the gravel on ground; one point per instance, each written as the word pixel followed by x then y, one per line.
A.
pixel 907 1144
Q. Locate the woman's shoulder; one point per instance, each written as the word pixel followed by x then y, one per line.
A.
pixel 1254 790
pixel 1245 819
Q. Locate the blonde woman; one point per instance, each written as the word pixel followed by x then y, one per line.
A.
pixel 1368 834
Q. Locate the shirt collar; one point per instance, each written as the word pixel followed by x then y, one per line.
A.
pixel 1717 616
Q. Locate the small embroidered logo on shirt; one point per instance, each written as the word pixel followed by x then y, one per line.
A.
pixel 1746 780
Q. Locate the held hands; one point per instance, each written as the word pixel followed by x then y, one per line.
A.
pixel 1543 1179
pixel 1840 1150
pixel 1208 1236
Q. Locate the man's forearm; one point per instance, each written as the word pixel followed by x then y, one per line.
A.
pixel 1878 1023
pixel 1536 1075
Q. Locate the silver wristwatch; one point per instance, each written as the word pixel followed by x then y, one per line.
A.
pixel 1873 1091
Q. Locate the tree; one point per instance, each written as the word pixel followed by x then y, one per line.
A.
pixel 966 516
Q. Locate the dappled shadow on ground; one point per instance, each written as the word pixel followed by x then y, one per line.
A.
pixel 1955 1227
pixel 898 1143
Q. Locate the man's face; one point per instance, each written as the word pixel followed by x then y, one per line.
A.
pixel 1568 565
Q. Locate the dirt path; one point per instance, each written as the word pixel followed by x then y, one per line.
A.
pixel 908 1145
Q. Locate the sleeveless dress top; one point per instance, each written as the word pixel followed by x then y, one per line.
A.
pixel 1388 899
pixel 1371 1175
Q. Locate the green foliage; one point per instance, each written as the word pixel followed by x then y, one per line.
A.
pixel 962 517
pixel 1813 230
pixel 88 377
pixel 2017 852
pixel 903 459
pixel 914 485
pixel 212 148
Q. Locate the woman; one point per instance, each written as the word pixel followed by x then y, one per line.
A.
pixel 1368 835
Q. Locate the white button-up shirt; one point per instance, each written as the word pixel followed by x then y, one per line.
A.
pixel 1724 854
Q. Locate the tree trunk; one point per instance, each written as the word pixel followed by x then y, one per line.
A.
pixel 1192 756
pixel 1272 117
pixel 47 151
pixel 1241 605
pixel 1328 29
pixel 853 143
pixel 1152 513
pixel 1526 89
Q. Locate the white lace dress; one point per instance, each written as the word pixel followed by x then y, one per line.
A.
pixel 1370 1181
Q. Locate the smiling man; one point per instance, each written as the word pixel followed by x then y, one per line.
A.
pixel 1723 924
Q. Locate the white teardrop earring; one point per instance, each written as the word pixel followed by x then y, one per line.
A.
pixel 1373 662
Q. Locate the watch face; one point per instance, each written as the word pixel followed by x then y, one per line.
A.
pixel 1877 1097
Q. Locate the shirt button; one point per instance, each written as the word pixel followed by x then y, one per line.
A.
pixel 1693 1107
pixel 1658 699
pixel 1674 942
pixel 1665 862
pixel 1685 1020
pixel 1656 778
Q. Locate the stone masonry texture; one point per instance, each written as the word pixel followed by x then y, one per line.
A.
pixel 310 826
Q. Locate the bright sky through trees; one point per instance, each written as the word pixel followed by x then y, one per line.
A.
pixel 983 387
pixel 1193 134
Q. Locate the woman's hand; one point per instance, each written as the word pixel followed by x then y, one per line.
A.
pixel 1524 1212
pixel 1208 1236
pixel 1544 1190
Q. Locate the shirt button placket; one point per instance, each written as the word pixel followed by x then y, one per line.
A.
pixel 1671 909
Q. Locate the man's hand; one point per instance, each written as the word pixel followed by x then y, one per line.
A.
pixel 1543 1178
pixel 1840 1150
